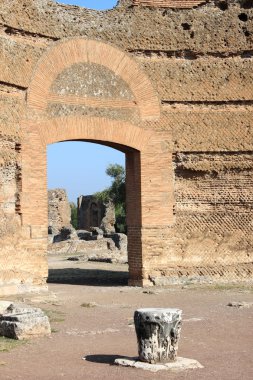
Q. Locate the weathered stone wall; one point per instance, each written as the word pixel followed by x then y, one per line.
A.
pixel 90 212
pixel 199 61
pixel 93 213
pixel 21 269
pixel 59 212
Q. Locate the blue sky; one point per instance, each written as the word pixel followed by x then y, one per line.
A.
pixel 79 167
pixel 92 4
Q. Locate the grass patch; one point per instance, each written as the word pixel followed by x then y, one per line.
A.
pixel 230 286
pixel 55 316
pixel 88 304
pixel 53 331
pixel 241 287
pixel 7 344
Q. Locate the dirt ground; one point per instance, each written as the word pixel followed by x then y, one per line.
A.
pixel 91 311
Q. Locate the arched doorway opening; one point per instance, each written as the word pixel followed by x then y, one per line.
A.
pixel 94 250
pixel 122 136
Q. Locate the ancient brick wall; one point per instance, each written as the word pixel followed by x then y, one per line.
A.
pixel 189 161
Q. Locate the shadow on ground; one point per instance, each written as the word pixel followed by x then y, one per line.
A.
pixel 104 359
pixel 92 277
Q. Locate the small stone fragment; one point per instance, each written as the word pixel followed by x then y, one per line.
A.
pixel 89 304
pixel 240 305
pixel 73 258
pixel 97 233
pixel 149 292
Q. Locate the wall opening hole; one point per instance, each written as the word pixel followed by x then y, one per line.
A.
pixel 247 4
pixel 243 17
pixel 246 32
pixel 186 26
pixel 223 5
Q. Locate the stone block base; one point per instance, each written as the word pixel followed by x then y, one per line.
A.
pixel 18 321
pixel 180 364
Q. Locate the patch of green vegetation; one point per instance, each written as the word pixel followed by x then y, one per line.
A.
pixel 73 215
pixel 88 304
pixel 230 286
pixel 241 287
pixel 7 344
pixel 54 331
pixel 55 316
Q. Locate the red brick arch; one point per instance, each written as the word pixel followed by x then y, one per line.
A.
pixel 71 51
pixel 148 161
pixel 92 128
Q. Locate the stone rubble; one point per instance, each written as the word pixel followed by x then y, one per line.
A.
pixel 240 305
pixel 19 321
pixel 99 243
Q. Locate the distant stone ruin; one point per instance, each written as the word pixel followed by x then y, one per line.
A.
pixel 109 220
pixel 59 216
pixel 98 242
pixel 90 212
pixel 59 212
pixel 93 213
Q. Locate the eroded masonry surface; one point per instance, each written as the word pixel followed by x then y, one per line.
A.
pixel 169 83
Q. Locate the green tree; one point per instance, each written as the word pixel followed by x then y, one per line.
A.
pixel 117 194
pixel 73 215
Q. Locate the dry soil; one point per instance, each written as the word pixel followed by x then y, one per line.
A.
pixel 91 310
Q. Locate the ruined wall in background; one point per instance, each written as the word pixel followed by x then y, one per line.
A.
pixel 90 212
pixel 59 212
pixel 200 63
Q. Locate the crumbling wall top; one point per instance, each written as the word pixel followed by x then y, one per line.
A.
pixel 170 3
